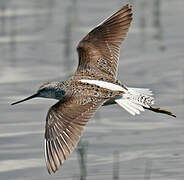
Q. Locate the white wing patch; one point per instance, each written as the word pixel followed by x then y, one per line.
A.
pixel 103 84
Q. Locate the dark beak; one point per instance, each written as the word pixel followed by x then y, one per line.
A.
pixel 30 97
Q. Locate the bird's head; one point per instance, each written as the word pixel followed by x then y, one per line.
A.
pixel 53 90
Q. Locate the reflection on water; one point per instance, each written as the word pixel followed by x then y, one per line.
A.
pixel 142 24
pixel 157 24
pixel 82 157
pixel 12 34
pixel 116 158
pixel 37 44
pixel 71 18
pixel 148 169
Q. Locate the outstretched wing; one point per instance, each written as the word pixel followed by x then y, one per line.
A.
pixel 99 50
pixel 64 125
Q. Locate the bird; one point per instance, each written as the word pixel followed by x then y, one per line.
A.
pixel 94 84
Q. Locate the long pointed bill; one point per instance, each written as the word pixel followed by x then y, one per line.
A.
pixel 30 97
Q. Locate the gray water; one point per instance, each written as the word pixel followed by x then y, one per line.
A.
pixel 37 44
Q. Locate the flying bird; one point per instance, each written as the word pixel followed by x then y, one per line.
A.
pixel 94 84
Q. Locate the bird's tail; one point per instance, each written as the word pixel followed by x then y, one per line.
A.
pixel 136 100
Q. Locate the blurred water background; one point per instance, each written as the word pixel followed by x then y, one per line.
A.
pixel 37 44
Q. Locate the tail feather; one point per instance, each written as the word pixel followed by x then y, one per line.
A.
pixel 136 106
pixel 129 106
pixel 142 91
pixel 137 99
pixel 123 105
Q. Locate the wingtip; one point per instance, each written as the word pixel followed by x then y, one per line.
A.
pixel 52 171
pixel 49 171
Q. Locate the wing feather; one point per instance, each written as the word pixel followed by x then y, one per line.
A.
pixel 99 50
pixel 64 125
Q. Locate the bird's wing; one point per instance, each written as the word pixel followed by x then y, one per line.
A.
pixel 64 125
pixel 99 50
